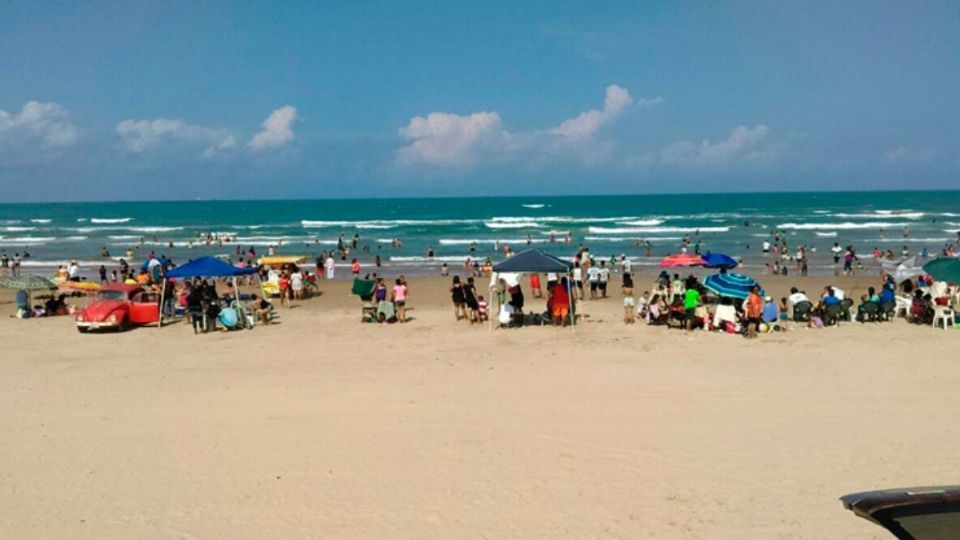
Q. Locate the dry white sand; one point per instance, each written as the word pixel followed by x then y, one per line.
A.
pixel 325 428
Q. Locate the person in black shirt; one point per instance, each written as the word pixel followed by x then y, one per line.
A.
pixel 261 309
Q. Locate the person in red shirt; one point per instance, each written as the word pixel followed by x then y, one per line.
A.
pixel 535 285
pixel 283 283
pixel 560 303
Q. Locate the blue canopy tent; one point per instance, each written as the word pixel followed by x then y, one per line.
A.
pixel 534 260
pixel 206 267
pixel 730 284
pixel 719 260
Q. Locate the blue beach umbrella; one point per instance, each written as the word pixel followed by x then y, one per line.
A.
pixel 730 284
pixel 161 260
pixel 719 260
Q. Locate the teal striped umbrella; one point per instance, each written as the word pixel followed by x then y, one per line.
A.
pixel 730 284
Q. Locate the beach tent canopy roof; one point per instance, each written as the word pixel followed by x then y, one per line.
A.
pixel 208 267
pixel 533 260
pixel 902 270
pixel 944 269
pixel 27 283
pixel 280 260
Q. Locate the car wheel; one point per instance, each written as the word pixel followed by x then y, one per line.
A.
pixel 83 329
pixel 124 325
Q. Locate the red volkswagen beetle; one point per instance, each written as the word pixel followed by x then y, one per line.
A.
pixel 119 306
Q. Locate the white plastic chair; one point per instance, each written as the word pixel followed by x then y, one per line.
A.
pixel 943 316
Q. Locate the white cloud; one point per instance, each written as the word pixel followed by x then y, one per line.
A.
pixel 47 122
pixel 588 123
pixel 276 129
pixel 744 144
pixel 140 135
pixel 224 145
pixel 907 154
pixel 450 140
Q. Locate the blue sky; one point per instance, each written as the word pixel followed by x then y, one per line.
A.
pixel 173 100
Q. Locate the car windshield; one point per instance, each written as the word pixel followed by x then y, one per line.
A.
pixel 112 295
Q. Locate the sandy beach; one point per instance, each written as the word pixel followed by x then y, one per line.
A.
pixel 320 427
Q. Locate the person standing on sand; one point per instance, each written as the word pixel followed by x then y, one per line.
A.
pixel 329 265
pixel 578 280
pixel 593 276
pixel 470 296
pixel 459 299
pixel 400 300
pixel 296 285
pixel 603 279
pixel 754 311
pixel 691 299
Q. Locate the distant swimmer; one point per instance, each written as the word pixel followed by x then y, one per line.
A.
pixel 906 232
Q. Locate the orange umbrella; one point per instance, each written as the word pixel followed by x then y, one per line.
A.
pixel 682 259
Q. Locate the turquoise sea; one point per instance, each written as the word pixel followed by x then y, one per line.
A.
pixel 736 224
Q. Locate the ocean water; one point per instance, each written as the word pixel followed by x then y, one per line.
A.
pixel 736 224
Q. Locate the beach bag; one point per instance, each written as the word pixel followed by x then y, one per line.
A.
pixel 729 327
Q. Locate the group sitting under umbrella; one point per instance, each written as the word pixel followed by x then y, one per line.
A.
pixel 725 301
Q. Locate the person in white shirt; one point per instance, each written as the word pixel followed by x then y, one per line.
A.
pixel 603 278
pixel 593 276
pixel 329 265
pixel 796 297
pixel 578 280
pixel 627 266
pixel 642 302
pixel 73 271
pixel 296 284
pixel 724 313
pixel 838 292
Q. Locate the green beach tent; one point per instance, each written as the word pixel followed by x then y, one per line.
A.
pixel 27 283
pixel 944 269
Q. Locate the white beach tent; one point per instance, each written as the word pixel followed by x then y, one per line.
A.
pixel 903 270
pixel 527 261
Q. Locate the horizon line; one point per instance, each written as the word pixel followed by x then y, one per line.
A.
pixel 441 197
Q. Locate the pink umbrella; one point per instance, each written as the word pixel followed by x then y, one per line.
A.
pixel 682 259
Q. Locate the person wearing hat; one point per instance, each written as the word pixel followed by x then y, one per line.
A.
pixel 770 311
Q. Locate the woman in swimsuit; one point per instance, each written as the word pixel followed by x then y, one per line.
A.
pixel 458 296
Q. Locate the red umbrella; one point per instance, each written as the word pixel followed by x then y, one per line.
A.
pixel 682 259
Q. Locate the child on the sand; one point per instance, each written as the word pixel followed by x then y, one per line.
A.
pixel 628 313
pixel 643 304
